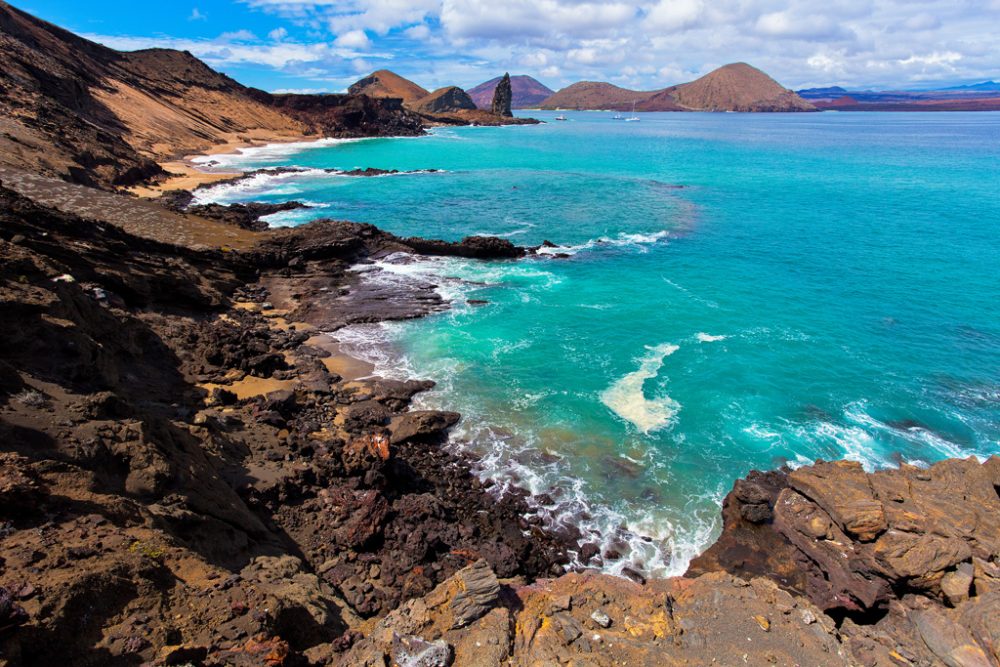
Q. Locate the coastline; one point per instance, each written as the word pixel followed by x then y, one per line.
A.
pixel 184 173
pixel 323 520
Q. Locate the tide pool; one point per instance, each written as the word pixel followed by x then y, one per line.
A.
pixel 741 291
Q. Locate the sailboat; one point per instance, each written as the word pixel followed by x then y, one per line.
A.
pixel 633 118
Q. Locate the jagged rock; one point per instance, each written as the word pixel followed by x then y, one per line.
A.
pixel 502 95
pixel 480 591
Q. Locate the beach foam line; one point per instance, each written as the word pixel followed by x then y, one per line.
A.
pixel 621 240
pixel 270 151
pixel 275 181
pixel 627 399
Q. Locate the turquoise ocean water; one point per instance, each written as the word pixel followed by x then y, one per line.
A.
pixel 742 291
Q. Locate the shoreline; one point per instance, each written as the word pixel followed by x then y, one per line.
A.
pixel 186 174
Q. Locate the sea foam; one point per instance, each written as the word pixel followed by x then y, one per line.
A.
pixel 627 398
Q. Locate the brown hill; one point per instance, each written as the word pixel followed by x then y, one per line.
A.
pixel 444 100
pixel 735 87
pixel 528 92
pixel 90 114
pixel 594 95
pixel 384 83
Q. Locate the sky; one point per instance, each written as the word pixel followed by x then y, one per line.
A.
pixel 325 45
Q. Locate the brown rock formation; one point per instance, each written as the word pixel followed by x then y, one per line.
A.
pixel 502 95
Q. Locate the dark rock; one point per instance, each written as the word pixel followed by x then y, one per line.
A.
pixel 502 95
pixel 11 613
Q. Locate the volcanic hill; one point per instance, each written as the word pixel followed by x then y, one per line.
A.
pixel 528 92
pixel 735 87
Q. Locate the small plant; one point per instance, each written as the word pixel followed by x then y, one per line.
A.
pixel 32 398
pixel 147 549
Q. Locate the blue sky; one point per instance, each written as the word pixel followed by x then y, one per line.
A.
pixel 324 45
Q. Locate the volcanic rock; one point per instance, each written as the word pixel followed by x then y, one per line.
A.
pixel 502 97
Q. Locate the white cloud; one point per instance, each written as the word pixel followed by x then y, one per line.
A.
pixel 196 15
pixel 642 43
pixel 354 39
pixel 671 15
pixel 418 32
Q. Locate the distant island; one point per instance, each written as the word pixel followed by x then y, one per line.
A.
pixel 984 96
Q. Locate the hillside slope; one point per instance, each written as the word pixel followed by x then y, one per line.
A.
pixel 92 115
pixel 735 87
pixel 594 95
pixel 384 83
pixel 528 92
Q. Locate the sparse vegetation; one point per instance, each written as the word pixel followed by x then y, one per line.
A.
pixel 32 398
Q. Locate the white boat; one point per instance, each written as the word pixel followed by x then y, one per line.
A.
pixel 560 117
pixel 633 118
pixel 618 116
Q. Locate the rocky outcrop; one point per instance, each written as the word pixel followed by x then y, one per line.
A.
pixel 590 619
pixel 905 556
pixel 502 96
pixel 245 216
pixel 444 100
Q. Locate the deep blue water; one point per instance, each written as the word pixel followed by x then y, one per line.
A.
pixel 743 291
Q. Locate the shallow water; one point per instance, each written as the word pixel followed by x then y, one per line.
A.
pixel 743 291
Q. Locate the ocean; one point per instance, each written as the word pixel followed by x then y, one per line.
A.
pixel 738 292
